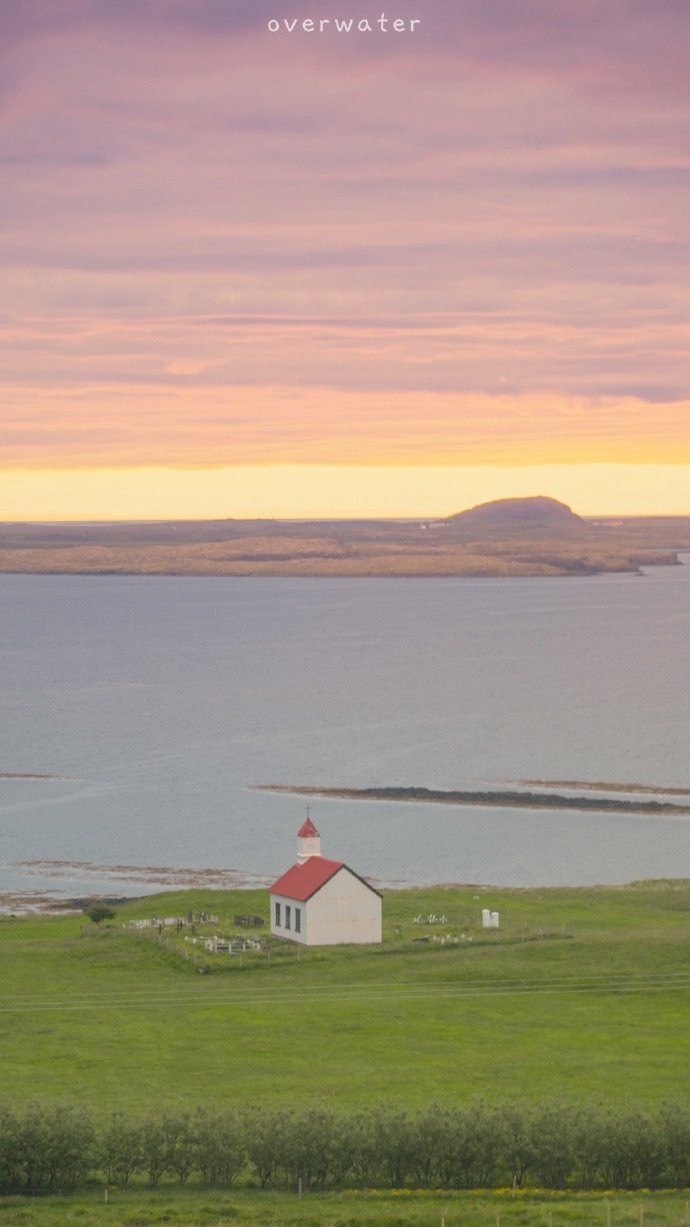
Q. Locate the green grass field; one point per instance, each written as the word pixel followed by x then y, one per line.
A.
pixel 191 1208
pixel 582 994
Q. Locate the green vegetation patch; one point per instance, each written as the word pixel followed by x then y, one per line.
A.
pixel 191 1208
pixel 583 994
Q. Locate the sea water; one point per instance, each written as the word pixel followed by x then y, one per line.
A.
pixel 155 705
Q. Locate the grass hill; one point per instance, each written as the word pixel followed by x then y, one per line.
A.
pixel 520 514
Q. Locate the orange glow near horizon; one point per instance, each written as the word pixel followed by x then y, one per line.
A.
pixel 333 491
pixel 284 425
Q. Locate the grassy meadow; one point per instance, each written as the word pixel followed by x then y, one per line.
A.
pixel 582 994
pixel 192 1208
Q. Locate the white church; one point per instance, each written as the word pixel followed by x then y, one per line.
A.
pixel 320 902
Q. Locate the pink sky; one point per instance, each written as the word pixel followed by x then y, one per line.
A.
pixel 463 246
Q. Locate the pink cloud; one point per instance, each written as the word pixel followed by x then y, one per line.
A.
pixel 194 206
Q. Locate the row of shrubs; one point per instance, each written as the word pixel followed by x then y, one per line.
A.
pixel 55 1149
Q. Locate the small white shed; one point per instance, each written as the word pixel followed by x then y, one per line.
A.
pixel 320 902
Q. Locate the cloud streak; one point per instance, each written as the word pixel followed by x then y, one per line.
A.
pixel 462 246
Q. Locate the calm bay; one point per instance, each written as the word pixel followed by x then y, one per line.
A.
pixel 150 707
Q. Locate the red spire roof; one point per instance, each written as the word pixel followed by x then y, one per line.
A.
pixel 302 881
pixel 307 829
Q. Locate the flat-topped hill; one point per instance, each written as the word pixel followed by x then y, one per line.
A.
pixel 530 514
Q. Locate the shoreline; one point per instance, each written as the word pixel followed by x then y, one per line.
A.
pixel 17 905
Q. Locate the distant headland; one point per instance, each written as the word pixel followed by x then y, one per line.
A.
pixel 497 798
pixel 507 537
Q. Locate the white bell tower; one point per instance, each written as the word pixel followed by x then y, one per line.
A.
pixel 308 841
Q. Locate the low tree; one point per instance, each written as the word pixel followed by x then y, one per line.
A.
pixel 553 1136
pixel 155 1154
pixel 428 1129
pixel 674 1128
pixel 308 1148
pixel 98 912
pixel 633 1156
pixel 359 1153
pixel 514 1140
pixel 10 1162
pixel 121 1149
pixel 589 1145
pixel 34 1139
pixel 394 1141
pixel 220 1145
pixel 71 1147
pixel 180 1144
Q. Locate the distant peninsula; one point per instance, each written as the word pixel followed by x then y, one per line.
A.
pixel 507 537
pixel 499 798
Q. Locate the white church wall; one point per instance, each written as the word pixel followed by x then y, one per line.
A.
pixel 344 910
pixel 288 919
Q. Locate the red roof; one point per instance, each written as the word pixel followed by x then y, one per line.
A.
pixel 303 881
pixel 307 830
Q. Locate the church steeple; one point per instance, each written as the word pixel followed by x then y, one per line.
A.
pixel 308 841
